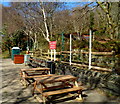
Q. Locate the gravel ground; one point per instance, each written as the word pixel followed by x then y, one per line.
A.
pixel 14 92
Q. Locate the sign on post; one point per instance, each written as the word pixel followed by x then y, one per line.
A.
pixel 52 46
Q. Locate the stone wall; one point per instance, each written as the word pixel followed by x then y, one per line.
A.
pixel 92 79
pixel 109 81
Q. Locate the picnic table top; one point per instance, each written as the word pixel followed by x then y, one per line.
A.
pixel 54 78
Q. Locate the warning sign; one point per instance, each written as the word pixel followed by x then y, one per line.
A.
pixel 52 44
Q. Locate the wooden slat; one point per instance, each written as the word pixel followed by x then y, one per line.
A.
pixel 34 74
pixel 33 64
pixel 57 53
pixel 57 59
pixel 36 60
pixel 30 58
pixel 37 76
pixel 53 87
pixel 55 78
pixel 62 91
pixel 42 69
pixel 58 86
pixel 66 52
pixel 36 71
pixel 95 53
pixel 101 69
pixel 99 53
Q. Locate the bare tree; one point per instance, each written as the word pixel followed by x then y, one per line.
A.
pixel 106 7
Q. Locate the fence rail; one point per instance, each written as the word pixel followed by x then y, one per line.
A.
pixel 100 60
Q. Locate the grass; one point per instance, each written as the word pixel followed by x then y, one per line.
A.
pixel 5 55
pixel 22 52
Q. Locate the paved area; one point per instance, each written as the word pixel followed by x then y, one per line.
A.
pixel 14 92
pixel 12 89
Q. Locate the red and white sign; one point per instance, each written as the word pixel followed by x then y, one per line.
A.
pixel 52 44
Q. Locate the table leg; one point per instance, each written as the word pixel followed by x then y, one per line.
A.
pixel 34 87
pixel 23 80
pixel 48 72
pixel 76 84
pixel 79 97
pixel 79 92
pixel 44 99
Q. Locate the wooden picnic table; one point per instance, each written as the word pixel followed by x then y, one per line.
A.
pixel 28 74
pixel 59 84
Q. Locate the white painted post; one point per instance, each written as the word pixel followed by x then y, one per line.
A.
pixel 70 47
pixel 54 54
pixel 90 46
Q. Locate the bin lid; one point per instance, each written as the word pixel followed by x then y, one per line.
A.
pixel 15 48
pixel 49 61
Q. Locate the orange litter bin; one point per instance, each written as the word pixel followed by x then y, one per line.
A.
pixel 18 59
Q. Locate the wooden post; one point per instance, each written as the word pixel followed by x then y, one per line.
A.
pixel 113 59
pixel 41 52
pixel 90 46
pixel 81 56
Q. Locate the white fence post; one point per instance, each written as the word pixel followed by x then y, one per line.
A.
pixel 70 47
pixel 90 47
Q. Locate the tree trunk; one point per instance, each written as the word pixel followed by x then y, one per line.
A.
pixel 35 43
pixel 109 18
pixel 45 22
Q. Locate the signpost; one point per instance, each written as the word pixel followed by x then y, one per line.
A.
pixel 52 46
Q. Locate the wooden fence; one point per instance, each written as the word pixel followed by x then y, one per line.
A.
pixel 100 60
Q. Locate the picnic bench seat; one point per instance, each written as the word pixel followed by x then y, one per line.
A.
pixel 34 71
pixel 32 64
pixel 61 91
pixel 35 62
